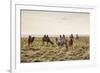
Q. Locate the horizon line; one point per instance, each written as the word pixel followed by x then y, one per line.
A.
pixel 51 35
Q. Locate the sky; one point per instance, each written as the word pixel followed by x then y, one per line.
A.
pixel 54 23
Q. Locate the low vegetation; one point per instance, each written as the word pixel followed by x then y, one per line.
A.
pixel 37 52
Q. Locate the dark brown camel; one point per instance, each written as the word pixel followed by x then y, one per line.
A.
pixel 71 40
pixel 47 40
pixel 30 40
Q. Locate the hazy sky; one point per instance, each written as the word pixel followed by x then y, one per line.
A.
pixel 46 22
